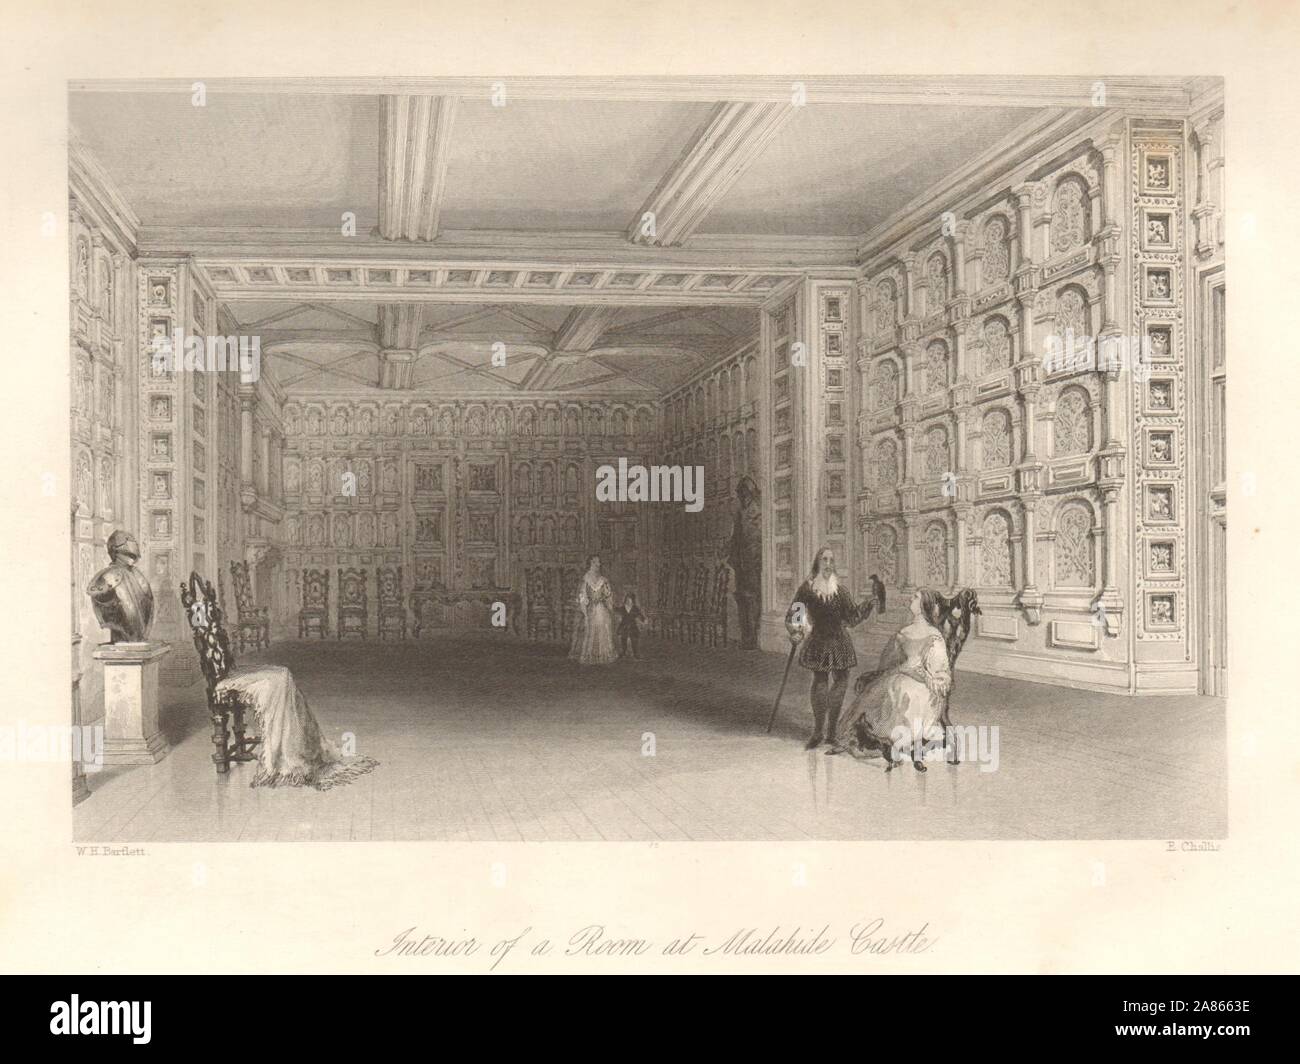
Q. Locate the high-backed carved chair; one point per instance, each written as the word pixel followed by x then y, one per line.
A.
pixel 253 621
pixel 353 607
pixel 541 605
pixel 226 708
pixel 315 603
pixel 570 612
pixel 714 623
pixel 663 595
pixel 698 610
pixel 681 602
pixel 953 618
pixel 392 601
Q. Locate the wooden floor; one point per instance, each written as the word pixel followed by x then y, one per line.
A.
pixel 485 737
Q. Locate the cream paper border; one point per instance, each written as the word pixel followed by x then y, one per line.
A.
pixel 999 906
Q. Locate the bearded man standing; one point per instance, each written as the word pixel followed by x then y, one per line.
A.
pixel 822 611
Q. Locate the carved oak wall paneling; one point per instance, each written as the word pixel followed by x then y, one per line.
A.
pixel 462 495
pixel 970 446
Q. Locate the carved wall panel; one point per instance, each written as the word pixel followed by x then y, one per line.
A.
pixel 463 495
pixel 1160 484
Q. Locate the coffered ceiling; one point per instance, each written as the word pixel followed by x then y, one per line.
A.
pixel 613 234
pixel 493 349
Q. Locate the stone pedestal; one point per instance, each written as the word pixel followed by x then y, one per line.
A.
pixel 131 735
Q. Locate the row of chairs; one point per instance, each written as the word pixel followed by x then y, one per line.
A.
pixel 352 603
pixel 252 622
pixel 692 603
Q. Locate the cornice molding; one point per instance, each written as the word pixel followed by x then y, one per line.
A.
pixel 91 183
pixel 747 346
pixel 962 191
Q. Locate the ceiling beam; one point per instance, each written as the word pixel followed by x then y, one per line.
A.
pixel 399 336
pixel 414 144
pixel 584 326
pixel 485 249
pixel 734 135
pixel 399 325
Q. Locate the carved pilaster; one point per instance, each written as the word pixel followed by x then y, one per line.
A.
pixel 909 287
pixel 912 361
pixel 957 244
pixel 1108 607
pixel 1026 252
pixel 1209 168
pixel 909 460
pixel 962 514
pixel 1028 374
pixel 1030 599
pixel 247 401
pixel 907 579
pixel 964 413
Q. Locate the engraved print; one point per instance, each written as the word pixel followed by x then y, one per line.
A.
pixel 478 292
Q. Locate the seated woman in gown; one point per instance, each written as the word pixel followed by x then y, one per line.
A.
pixel 901 705
pixel 593 635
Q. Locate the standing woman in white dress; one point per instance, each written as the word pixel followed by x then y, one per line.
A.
pixel 593 636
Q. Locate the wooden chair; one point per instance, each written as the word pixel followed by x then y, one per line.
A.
pixel 954 618
pixel 663 594
pixel 540 622
pixel 353 607
pixel 681 603
pixel 226 708
pixel 570 611
pixel 698 612
pixel 253 621
pixel 315 603
pixel 392 603
pixel 714 622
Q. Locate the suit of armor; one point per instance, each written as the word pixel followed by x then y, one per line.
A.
pixel 120 594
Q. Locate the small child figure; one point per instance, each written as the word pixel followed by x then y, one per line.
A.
pixel 629 625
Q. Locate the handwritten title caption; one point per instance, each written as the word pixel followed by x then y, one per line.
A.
pixel 870 938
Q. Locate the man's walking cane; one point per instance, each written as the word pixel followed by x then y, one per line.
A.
pixel 777 704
